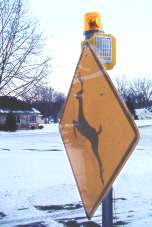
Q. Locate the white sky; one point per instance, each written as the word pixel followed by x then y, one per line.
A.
pixel 128 20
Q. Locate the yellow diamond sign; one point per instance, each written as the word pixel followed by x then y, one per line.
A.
pixel 97 130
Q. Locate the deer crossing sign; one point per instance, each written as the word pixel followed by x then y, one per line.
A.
pixel 97 130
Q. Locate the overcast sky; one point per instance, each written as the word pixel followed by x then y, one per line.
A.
pixel 128 20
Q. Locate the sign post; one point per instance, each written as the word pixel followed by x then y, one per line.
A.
pixel 107 210
pixel 104 46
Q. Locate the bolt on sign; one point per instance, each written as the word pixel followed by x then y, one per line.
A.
pixel 97 130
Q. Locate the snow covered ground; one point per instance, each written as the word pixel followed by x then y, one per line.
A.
pixel 37 185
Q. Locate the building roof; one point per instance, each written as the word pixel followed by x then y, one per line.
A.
pixel 33 110
pixel 11 104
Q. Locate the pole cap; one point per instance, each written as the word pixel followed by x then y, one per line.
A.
pixel 92 22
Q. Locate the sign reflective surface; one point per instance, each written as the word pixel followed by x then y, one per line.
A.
pixel 97 130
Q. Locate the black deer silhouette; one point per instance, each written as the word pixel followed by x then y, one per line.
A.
pixel 86 130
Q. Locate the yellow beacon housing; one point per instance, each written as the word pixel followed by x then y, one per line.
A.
pixel 104 45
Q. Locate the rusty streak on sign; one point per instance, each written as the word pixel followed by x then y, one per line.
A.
pixel 97 129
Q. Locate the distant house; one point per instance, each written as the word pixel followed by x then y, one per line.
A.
pixel 26 116
pixel 143 113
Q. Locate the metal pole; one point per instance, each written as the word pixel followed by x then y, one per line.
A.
pixel 107 210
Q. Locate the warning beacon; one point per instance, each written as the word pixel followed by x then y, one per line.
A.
pixel 103 44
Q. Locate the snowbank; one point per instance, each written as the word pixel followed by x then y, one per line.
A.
pixel 35 172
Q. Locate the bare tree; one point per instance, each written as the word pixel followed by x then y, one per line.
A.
pixel 48 101
pixel 141 90
pixel 42 93
pixel 23 64
pixel 122 86
pixel 138 91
